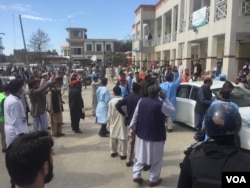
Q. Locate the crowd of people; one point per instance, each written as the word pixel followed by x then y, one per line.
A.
pixel 151 101
pixel 137 114
pixel 45 106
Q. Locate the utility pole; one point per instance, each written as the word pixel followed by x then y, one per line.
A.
pixel 25 49
pixel 1 45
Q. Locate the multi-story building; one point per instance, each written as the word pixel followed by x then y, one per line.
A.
pixel 183 30
pixel 82 49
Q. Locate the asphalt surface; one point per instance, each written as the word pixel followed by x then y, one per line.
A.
pixel 83 160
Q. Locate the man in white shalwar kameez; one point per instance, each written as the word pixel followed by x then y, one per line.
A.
pixel 148 124
pixel 116 125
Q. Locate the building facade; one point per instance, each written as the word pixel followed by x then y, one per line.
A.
pixel 82 49
pixel 177 31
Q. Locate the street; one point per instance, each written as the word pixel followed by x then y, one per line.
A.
pixel 83 160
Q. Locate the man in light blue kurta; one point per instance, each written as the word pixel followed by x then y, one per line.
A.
pixel 103 98
pixel 169 88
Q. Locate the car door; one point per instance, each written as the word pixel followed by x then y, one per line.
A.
pixel 191 106
pixel 182 103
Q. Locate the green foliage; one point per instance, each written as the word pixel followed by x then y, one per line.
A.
pixel 115 59
pixel 124 46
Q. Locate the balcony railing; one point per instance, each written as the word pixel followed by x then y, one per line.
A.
pixel 158 41
pixel 245 8
pixel 182 26
pixel 147 43
pixel 174 37
pixel 207 14
pixel 220 10
pixel 167 38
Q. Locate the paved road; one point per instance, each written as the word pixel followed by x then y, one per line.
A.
pixel 83 160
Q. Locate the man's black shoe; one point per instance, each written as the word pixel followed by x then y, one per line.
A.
pixel 123 157
pixel 138 180
pixel 61 134
pixel 77 131
pixel 170 130
pixel 103 135
pixel 113 154
pixel 129 164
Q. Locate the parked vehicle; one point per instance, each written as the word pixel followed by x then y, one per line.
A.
pixel 33 66
pixel 186 99
pixel 4 80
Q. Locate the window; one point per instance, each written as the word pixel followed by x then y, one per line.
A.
pixel 76 51
pixel 98 47
pixel 76 33
pixel 108 47
pixel 240 96
pixel 183 91
pixel 245 8
pixel 89 47
pixel 194 93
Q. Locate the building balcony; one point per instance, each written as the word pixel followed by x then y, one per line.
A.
pixel 157 41
pixel 77 56
pixel 148 45
pixel 167 38
pixel 94 52
pixel 136 45
pixel 74 39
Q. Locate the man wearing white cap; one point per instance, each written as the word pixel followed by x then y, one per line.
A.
pixel 44 78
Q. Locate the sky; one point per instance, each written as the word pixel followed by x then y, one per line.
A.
pixel 103 19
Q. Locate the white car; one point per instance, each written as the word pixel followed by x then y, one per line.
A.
pixel 186 99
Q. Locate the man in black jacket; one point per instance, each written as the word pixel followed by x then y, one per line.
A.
pixel 203 101
pixel 76 105
pixel 55 109
pixel 130 102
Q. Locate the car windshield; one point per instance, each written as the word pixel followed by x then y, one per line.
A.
pixel 239 95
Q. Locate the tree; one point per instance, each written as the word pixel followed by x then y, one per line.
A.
pixel 2 58
pixel 38 43
pixel 124 46
pixel 115 59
